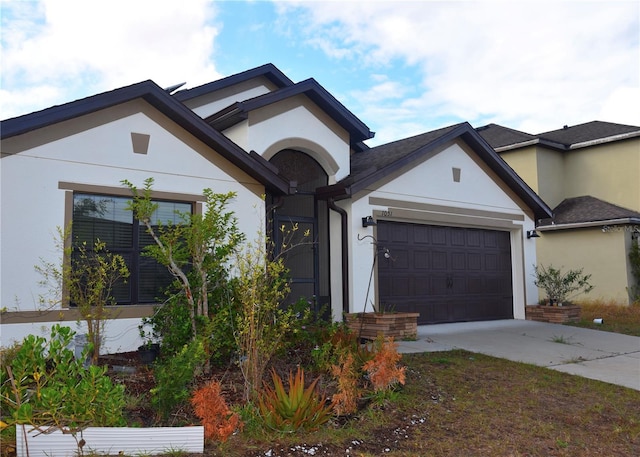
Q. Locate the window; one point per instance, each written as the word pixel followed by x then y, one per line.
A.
pixel 107 218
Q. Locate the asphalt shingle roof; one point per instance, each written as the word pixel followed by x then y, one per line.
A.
pixel 589 209
pixel 379 157
pixel 563 139
pixel 591 131
pixel 498 136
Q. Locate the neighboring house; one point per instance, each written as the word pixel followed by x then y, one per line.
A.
pixel 450 217
pixel 590 175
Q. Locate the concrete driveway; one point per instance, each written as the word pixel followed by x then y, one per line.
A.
pixel 594 354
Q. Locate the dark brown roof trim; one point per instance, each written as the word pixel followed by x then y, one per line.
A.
pixel 258 168
pixel 315 92
pixel 268 71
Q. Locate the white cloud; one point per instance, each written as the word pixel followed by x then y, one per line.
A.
pixel 60 50
pixel 533 66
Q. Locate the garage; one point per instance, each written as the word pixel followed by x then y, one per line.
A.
pixel 447 274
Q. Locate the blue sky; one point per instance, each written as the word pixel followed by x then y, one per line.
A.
pixel 402 67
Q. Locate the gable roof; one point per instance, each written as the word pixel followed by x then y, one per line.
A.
pixel 564 139
pixel 268 71
pixel 370 166
pixel 239 111
pixel 588 210
pixel 498 136
pixel 252 164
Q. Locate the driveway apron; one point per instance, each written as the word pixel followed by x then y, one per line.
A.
pixel 594 354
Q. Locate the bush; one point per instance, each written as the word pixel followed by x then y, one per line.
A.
pixel 45 385
pixel 560 286
pixel 174 377
pixel 218 420
pixel 383 370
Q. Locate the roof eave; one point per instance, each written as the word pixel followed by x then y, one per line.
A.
pixel 601 223
pixel 269 71
pixel 609 139
pixel 165 103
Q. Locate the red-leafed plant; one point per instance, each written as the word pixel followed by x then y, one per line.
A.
pixel 299 408
pixel 347 373
pixel 383 369
pixel 218 420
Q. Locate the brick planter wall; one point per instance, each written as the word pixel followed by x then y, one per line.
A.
pixel 397 325
pixel 553 314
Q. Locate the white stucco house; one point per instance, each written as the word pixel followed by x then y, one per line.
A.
pixel 442 213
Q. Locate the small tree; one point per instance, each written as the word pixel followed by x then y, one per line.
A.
pixel 85 279
pixel 262 323
pixel 560 286
pixel 195 251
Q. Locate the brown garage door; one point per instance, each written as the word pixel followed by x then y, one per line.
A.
pixel 447 274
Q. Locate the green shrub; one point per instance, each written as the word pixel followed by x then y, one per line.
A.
pixel 560 286
pixel 44 384
pixel 174 377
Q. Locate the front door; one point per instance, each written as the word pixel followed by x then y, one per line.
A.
pixel 300 229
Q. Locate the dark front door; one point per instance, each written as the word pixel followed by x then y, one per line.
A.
pixel 300 228
pixel 447 274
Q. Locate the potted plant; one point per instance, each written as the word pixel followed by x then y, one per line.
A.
pixel 149 350
pixel 559 287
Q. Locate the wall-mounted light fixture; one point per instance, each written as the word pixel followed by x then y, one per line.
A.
pixel 532 234
pixel 635 234
pixel 368 221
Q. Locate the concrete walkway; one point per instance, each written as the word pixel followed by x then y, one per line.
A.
pixel 593 354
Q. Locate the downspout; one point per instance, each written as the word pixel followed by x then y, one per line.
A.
pixel 345 253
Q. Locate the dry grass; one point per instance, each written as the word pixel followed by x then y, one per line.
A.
pixel 617 318
pixel 460 403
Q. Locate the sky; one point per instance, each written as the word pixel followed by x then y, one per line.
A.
pixel 402 67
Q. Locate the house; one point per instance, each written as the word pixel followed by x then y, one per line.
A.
pixel 590 175
pixel 434 223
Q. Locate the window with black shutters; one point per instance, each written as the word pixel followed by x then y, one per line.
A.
pixel 107 218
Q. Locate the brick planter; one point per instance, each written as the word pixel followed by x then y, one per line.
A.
pixel 400 326
pixel 553 314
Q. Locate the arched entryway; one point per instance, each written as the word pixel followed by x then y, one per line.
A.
pixel 308 261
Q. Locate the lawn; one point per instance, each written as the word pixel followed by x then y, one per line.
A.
pixel 454 403
pixel 461 403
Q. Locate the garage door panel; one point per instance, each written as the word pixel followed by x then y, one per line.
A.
pixel 438 236
pixel 439 285
pixel 458 261
pixel 446 274
pixel 421 235
pixel 490 240
pixel 474 239
pixel 399 259
pixel 491 262
pixel 474 261
pixel 475 285
pixel 421 260
pixel 458 237
pixel 440 260
pixel 401 286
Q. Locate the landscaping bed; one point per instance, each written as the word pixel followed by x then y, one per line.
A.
pixel 454 403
